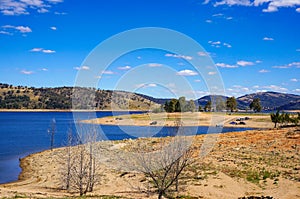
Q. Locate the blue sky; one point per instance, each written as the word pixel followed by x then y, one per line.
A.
pixel 255 44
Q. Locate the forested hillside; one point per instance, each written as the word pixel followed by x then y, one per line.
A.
pixel 22 97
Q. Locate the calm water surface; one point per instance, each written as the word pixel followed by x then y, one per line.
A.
pixel 23 133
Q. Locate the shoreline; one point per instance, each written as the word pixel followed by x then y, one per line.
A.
pixel 35 179
pixel 65 110
pixel 256 121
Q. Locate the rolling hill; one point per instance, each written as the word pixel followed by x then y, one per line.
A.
pixel 271 100
pixel 22 97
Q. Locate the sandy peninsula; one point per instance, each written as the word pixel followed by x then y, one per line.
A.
pixel 188 119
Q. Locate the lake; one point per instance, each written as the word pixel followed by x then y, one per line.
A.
pixel 23 133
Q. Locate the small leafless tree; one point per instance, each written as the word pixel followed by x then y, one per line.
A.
pixel 80 166
pixel 162 164
pixel 52 131
pixel 67 161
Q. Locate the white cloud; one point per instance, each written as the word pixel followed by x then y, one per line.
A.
pixel 223 65
pixel 229 18
pixel 42 10
pixel 36 50
pixel 291 65
pixel 197 80
pixel 203 54
pixel 48 51
pixel 179 56
pixel 217 44
pixel 44 69
pixel 206 1
pixel 264 71
pixel 218 15
pixel 23 7
pixel 208 21
pixel 21 29
pixel 26 72
pixel 5 33
pixel 258 61
pixel 272 5
pixel 146 85
pixel 275 88
pixel 187 73
pixel 244 63
pixel 268 39
pixel 55 1
pixel 294 80
pixel 227 45
pixel 82 68
pixel 53 28
pixel 214 42
pixel 60 13
pixel 212 73
pixel 297 90
pixel 238 90
pixel 124 67
pixel 154 65
pixel 233 2
pixel 108 72
pixel 42 50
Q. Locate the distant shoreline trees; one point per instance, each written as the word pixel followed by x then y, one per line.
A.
pixel 179 105
pixel 255 105
pixel 284 119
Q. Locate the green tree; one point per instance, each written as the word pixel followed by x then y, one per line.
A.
pixel 181 105
pixel 220 104
pixel 207 106
pixel 231 104
pixel 190 106
pixel 200 109
pixel 276 118
pixel 166 106
pixel 255 105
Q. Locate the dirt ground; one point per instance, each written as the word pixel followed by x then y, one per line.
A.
pixel 188 119
pixel 250 163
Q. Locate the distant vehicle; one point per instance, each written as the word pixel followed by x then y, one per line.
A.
pixel 153 123
pixel 233 123
pixel 242 123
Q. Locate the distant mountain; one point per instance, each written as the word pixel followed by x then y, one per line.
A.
pixel 155 100
pixel 271 100
pixel 22 97
pixel 203 100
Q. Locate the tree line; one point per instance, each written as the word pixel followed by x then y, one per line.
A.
pixel 215 104
pixel 179 105
pixel 284 119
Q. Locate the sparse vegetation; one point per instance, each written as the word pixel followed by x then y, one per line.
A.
pixel 284 119
pixel 22 97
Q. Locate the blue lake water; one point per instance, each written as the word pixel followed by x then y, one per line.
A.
pixel 23 133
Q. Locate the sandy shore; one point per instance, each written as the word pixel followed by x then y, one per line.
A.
pixel 227 172
pixel 187 119
pixel 61 110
